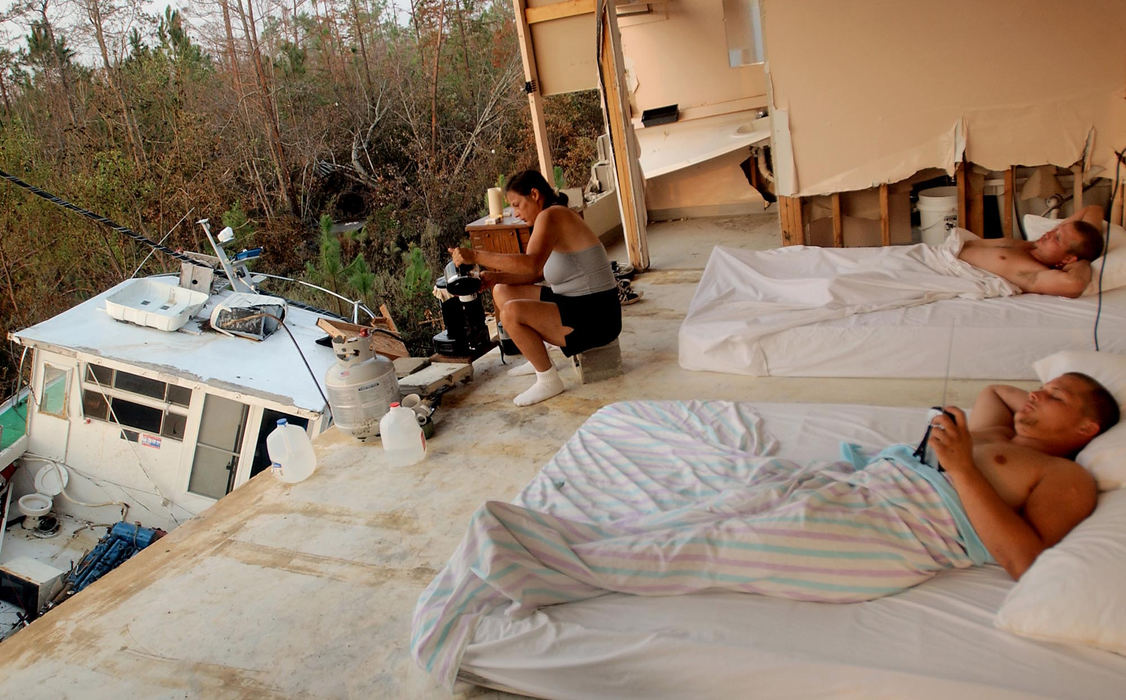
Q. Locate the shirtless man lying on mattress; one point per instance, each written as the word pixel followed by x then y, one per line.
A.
pixel 1056 263
pixel 1011 463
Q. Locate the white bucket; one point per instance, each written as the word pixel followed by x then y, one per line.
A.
pixel 938 213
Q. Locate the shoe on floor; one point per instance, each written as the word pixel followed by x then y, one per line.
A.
pixel 626 295
pixel 622 272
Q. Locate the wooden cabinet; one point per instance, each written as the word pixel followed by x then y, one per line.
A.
pixel 509 235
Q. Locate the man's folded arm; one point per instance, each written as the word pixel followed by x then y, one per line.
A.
pixel 1067 282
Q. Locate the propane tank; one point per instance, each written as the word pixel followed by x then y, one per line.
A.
pixel 361 386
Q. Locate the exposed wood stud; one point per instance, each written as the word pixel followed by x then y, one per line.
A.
pixel 1077 189
pixel 1007 217
pixel 838 222
pixel 789 211
pixel 975 202
pixel 1116 208
pixel 960 178
pixel 559 10
pixel 631 185
pixel 535 97
pixel 885 215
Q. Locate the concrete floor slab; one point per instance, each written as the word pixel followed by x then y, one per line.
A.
pixel 307 590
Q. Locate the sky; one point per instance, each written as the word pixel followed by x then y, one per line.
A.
pixel 64 13
pixel 195 13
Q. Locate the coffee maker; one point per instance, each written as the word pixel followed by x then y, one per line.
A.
pixel 462 313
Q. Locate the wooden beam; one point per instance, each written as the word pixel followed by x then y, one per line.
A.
pixel 558 10
pixel 535 97
pixel 388 346
pixel 385 319
pixel 1116 207
pixel 624 150
pixel 1007 203
pixel 789 210
pixel 975 202
pixel 838 221
pixel 885 215
pixel 1077 188
pixel 960 178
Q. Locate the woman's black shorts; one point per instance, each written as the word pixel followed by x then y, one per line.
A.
pixel 596 318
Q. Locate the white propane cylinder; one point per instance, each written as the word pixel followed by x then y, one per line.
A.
pixel 361 386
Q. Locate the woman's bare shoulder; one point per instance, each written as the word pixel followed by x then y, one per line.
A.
pixel 558 214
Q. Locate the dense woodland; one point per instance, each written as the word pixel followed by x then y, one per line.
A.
pixel 276 119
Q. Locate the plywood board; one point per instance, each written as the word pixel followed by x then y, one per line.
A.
pixel 432 378
pixel 405 366
pixel 390 346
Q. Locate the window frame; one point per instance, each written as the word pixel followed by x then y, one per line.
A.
pixel 48 388
pixel 106 390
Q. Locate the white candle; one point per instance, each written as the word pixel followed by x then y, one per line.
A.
pixel 496 203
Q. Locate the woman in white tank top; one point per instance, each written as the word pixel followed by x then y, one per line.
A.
pixel 577 311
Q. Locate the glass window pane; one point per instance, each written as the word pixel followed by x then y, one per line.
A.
pixel 137 416
pixel 139 385
pixel 174 425
pixel 99 375
pixel 179 395
pixel 211 471
pixel 53 398
pixel 222 422
pixel 94 405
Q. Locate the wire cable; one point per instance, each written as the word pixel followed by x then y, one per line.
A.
pixel 162 240
pixel 1118 156
pixel 124 230
pixel 296 345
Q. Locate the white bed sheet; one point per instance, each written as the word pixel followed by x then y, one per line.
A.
pixel 996 338
pixel 794 312
pixel 935 640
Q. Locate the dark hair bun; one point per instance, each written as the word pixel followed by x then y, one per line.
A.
pixel 561 198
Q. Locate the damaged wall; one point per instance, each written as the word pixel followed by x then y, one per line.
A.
pixel 716 187
pixel 872 91
pixel 677 53
pixel 679 56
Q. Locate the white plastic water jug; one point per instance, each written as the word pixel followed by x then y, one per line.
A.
pixel 403 441
pixel 291 452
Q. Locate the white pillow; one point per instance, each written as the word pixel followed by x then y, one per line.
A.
pixel 1036 226
pixel 1105 456
pixel 1114 274
pixel 1074 593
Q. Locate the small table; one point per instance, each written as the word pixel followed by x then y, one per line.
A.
pixel 509 235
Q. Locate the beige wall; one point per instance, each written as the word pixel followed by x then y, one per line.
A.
pixel 676 54
pixel 682 59
pixel 565 52
pixel 716 187
pixel 871 91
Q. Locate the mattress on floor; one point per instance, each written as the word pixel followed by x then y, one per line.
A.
pixel 995 338
pixel 934 640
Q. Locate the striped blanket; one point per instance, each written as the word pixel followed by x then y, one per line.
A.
pixel 669 498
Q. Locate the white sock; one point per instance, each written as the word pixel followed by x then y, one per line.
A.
pixel 524 369
pixel 547 384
